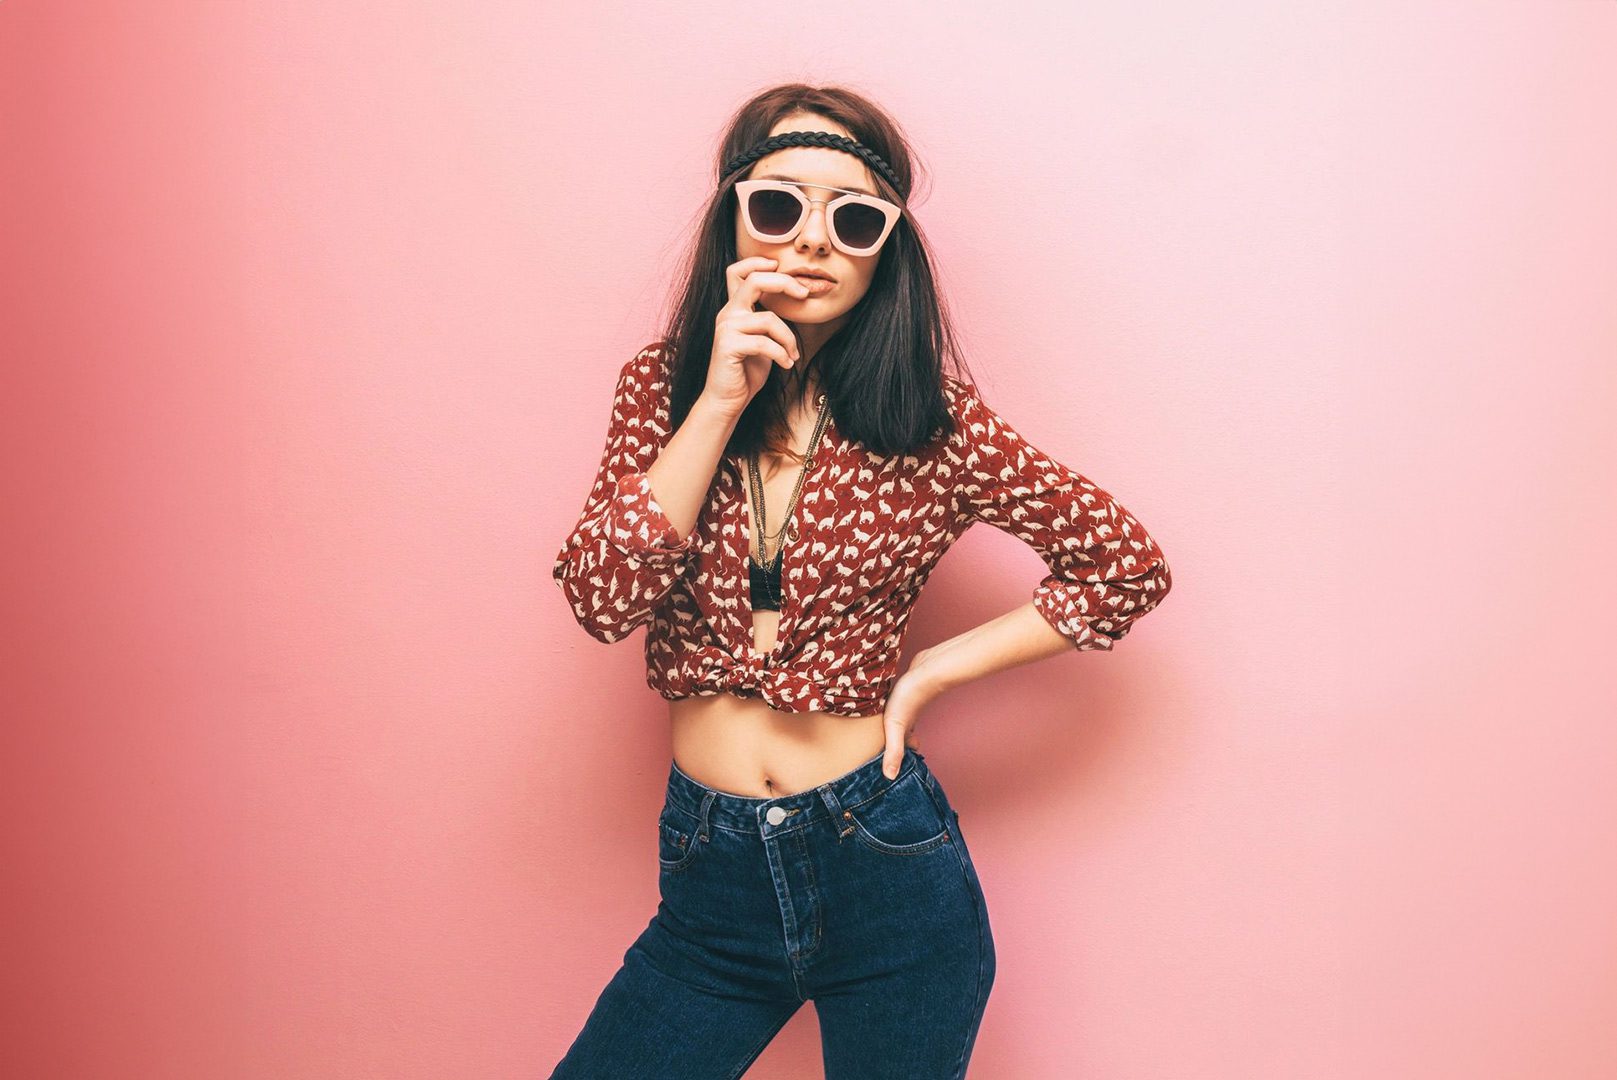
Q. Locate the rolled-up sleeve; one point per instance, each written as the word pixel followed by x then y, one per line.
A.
pixel 1106 571
pixel 624 554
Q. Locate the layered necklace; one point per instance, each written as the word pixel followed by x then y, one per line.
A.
pixel 766 571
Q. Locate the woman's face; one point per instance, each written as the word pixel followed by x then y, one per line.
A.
pixel 821 168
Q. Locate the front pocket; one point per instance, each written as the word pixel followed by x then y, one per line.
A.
pixel 903 820
pixel 675 846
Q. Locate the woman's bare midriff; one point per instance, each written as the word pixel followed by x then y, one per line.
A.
pixel 739 745
pixel 743 747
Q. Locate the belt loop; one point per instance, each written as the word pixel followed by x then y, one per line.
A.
pixel 707 802
pixel 841 820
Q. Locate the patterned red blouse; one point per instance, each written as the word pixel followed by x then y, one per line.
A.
pixel 870 530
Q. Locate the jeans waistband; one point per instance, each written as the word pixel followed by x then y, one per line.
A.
pixel 741 813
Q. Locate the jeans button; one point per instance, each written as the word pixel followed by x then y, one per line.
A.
pixel 775 816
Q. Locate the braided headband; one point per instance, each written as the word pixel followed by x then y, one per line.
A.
pixel 812 138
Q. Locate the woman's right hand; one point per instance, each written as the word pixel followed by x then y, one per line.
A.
pixel 747 341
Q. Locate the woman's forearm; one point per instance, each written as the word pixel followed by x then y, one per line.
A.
pixel 1018 637
pixel 684 469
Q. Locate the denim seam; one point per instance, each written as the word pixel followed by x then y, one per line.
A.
pixel 982 959
pixel 814 898
pixel 752 1056
pixel 788 911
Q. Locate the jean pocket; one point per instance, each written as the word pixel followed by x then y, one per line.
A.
pixel 902 820
pixel 676 839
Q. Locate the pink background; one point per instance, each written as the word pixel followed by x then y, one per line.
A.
pixel 311 316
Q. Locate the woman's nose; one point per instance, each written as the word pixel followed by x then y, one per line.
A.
pixel 814 233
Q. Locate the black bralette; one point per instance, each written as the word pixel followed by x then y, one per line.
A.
pixel 765 582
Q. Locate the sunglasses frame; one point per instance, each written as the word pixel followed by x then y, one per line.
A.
pixel 745 188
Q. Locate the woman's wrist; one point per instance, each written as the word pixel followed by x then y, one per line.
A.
pixel 934 670
pixel 713 411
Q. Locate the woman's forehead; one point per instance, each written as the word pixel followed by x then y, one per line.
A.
pixel 816 166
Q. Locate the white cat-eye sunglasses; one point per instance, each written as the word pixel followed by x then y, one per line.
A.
pixel 774 211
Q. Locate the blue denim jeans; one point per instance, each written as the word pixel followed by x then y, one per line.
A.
pixel 858 895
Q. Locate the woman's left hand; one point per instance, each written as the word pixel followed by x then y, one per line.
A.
pixel 910 694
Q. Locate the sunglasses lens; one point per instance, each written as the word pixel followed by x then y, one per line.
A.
pixel 859 225
pixel 773 213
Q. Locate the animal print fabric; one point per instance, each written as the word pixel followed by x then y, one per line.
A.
pixel 871 528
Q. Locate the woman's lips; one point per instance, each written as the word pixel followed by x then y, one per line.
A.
pixel 817 286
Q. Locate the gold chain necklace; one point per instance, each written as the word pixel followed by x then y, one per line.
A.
pixel 762 535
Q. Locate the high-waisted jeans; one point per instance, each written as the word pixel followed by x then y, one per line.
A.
pixel 858 895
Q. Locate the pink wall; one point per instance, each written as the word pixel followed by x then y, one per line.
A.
pixel 311 312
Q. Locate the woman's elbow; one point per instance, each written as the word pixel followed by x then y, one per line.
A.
pixel 608 610
pixel 1161 581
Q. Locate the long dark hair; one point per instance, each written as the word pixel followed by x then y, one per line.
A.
pixel 882 371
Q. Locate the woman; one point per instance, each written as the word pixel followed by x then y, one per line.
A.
pixel 782 472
